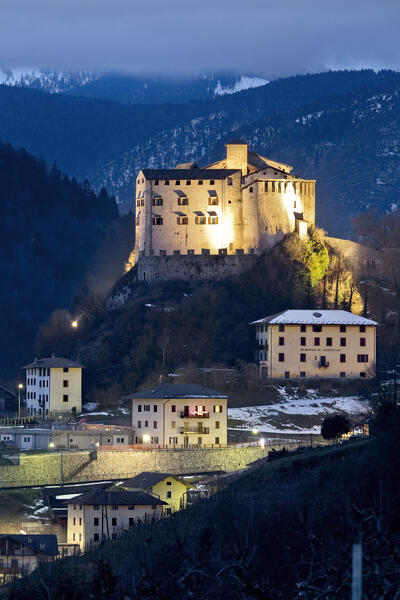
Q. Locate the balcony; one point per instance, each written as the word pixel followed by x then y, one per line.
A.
pixel 323 364
pixel 193 414
pixel 199 430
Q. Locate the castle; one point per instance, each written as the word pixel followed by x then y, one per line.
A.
pixel 241 205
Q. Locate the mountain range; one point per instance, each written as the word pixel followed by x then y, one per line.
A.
pixel 341 128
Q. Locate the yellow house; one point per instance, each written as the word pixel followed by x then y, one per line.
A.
pixel 184 415
pixel 53 385
pixel 316 343
pixel 164 486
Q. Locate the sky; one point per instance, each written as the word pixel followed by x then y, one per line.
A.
pixel 260 37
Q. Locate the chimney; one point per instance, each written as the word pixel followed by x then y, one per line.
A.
pixel 236 155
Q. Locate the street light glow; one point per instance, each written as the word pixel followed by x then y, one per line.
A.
pixel 254 431
pixel 20 386
pixel 146 437
pixel 75 323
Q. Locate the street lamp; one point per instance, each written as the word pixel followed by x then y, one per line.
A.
pixel 146 438
pixel 20 387
pixel 74 323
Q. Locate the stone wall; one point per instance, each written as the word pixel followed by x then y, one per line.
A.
pixel 197 267
pixel 358 255
pixel 57 468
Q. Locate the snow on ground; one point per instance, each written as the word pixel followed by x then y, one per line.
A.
pixel 90 406
pixel 295 414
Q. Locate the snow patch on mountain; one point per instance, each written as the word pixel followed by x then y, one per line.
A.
pixel 244 83
pixel 51 81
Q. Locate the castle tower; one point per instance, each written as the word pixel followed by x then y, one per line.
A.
pixel 236 156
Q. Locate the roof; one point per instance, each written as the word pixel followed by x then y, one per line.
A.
pixel 236 143
pixel 174 390
pixel 315 317
pixel 53 362
pixel 184 174
pixel 147 479
pixel 42 543
pixel 106 498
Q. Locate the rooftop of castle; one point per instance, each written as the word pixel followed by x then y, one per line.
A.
pixel 192 173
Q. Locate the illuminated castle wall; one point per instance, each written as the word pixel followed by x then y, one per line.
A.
pixel 242 204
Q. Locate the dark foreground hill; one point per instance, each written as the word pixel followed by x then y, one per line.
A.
pixel 281 532
pixel 54 235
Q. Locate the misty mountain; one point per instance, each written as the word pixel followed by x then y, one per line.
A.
pixel 51 81
pixel 341 128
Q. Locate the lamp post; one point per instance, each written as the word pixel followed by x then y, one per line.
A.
pixel 20 387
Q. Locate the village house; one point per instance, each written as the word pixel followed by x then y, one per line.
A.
pixel 179 415
pixel 168 488
pixel 20 554
pixel 53 385
pixel 316 343
pixel 99 514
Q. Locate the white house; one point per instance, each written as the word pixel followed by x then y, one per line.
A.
pixel 180 415
pixel 53 385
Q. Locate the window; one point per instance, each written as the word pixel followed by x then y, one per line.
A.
pixel 329 341
pixel 212 201
pixel 155 408
pixel 114 521
pixel 216 409
pixel 213 220
pixel 182 220
pixel 343 329
pixel 168 494
pixel 114 507
pixel 303 341
pixel 65 370
pixel 342 374
pixel 173 440
pixel 216 424
pixel 65 398
pixel 342 358
pixel 131 507
pixel 303 328
pixel 177 182
pixel 131 522
pixel 154 424
pixel 166 182
pixel 316 341
pixel 363 342
pixel 146 423
pixel 281 357
pixel 188 182
pixel 342 341
pixel 251 190
pixel 173 408
pixel 157 220
pixel 65 383
pixel 281 328
pixel 73 537
pixel 217 440
pixel 302 373
pixel 74 523
pixel 96 521
pixel 287 375
pixel 146 407
pixel 362 358
pixel 139 408
pixel 281 341
pixel 168 483
pixel 139 424
pixel 96 537
pixel 229 181
pixel 362 375
pixel 158 202
pixel 200 182
pixel 183 201
pixel 317 328
pixel 96 507
pixel 362 329
pixel 80 520
pixel 200 220
pixel 156 182
pixel 212 182
pixel 302 357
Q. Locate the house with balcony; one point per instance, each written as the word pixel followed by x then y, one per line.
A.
pixel 316 343
pixel 100 515
pixel 21 554
pixel 186 415
pixel 164 486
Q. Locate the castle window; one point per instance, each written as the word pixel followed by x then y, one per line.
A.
pixel 281 341
pixel 156 182
pixel 251 190
pixel 343 329
pixel 302 373
pixel 157 201
pixel 281 357
pixel 317 328
pixel 281 327
pixel 166 182
pixel 302 357
pixel 200 182
pixel 142 202
pixel 303 341
pixel 183 201
pixel 362 358
pixel 200 220
pixel 303 328
pixel 213 201
pixel 342 358
pixel 177 182
pixel 362 341
pixel 212 182
pixel 329 341
pixel 157 220
pixel 188 182
pixel 230 181
pixel 213 220
pixel 182 220
pixel 137 202
pixel 342 341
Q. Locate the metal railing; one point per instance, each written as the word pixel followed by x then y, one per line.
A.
pixel 194 415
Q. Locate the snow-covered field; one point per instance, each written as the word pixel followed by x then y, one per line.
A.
pixel 295 414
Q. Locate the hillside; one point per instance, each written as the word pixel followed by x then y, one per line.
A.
pixel 341 128
pixel 54 235
pixel 282 530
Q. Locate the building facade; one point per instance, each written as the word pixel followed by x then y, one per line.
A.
pixel 53 385
pixel 242 204
pixel 310 343
pixel 179 415
pixel 100 515
pixel 21 554
pixel 166 487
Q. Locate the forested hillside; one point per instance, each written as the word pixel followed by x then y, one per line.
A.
pixel 341 128
pixel 282 531
pixel 55 236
